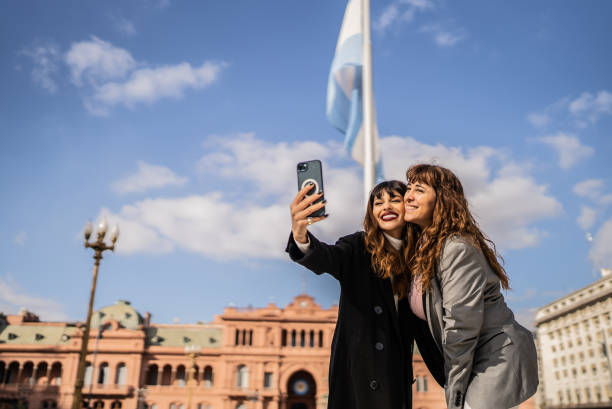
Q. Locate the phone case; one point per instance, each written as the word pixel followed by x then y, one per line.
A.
pixel 311 171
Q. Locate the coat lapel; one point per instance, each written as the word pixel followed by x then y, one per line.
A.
pixel 386 292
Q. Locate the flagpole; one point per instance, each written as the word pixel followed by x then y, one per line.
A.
pixel 369 166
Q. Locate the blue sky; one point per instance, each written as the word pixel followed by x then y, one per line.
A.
pixel 183 121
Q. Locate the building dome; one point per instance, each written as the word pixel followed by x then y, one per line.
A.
pixel 122 312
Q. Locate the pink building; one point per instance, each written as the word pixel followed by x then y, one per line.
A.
pixel 255 358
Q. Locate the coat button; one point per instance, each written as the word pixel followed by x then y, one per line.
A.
pixel 378 309
pixel 379 346
pixel 374 384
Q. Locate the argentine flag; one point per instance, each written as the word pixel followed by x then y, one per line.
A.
pixel 345 90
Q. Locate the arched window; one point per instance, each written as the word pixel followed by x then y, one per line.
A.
pixel 311 343
pixel 99 404
pixel 41 372
pixel 425 386
pixel 153 406
pixel 284 338
pixel 152 372
pixel 55 378
pixel 195 375
pixel 242 376
pixel 303 338
pixel 27 373
pixel 88 373
pixel 116 404
pixel 237 337
pixel 321 339
pixel 120 374
pixel 180 375
pixel 208 376
pixel 244 335
pixel 250 337
pixel 241 405
pixel 103 374
pixel 293 336
pixel 166 375
pixel 173 405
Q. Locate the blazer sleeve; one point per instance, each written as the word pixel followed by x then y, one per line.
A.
pixel 462 283
pixel 322 258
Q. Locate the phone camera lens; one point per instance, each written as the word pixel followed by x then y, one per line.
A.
pixel 302 167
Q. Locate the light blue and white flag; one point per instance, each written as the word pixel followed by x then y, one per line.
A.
pixel 345 88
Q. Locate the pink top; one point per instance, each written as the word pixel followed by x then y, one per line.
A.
pixel 415 298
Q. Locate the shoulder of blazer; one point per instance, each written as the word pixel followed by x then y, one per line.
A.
pixel 456 244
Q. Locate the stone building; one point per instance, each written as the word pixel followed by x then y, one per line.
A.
pixel 246 358
pixel 574 339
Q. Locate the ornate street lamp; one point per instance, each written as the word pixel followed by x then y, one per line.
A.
pixel 192 351
pixel 99 246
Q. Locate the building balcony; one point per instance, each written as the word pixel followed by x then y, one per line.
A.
pixel 107 390
pixel 27 388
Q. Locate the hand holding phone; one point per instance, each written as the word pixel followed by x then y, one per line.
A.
pixel 308 206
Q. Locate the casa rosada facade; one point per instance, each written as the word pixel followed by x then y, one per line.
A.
pixel 246 358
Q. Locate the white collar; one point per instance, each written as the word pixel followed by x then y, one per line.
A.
pixel 396 243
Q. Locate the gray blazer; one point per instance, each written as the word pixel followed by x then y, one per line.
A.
pixel 490 360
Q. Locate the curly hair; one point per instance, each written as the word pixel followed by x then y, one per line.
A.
pixel 386 261
pixel 451 217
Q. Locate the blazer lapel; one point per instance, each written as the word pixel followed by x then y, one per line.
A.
pixel 432 301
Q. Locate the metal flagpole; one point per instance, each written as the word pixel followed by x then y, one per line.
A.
pixel 369 166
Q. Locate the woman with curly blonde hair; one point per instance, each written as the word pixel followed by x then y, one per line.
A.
pixel 490 360
pixel 371 356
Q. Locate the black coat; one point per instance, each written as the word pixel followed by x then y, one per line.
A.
pixel 371 353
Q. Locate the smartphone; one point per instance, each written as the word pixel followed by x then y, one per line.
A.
pixel 311 172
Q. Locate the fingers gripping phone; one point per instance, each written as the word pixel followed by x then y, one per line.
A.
pixel 311 172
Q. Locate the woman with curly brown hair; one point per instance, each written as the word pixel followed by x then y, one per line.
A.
pixel 490 360
pixel 371 356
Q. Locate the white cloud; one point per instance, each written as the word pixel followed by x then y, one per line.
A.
pixel 538 120
pixel 123 25
pixel 400 11
pixel 592 107
pixel 601 250
pixel 251 219
pixel 568 147
pixel 387 17
pixel 578 112
pixel 148 177
pixel 147 85
pixel 13 298
pixel 20 238
pixel 526 317
pixel 45 59
pixel 587 217
pixel 444 37
pixel 98 61
pixel 590 188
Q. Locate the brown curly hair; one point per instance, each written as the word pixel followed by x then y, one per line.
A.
pixel 386 261
pixel 451 217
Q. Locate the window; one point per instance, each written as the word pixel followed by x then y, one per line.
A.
pixel 425 386
pixel 208 376
pixel 88 373
pixel 103 374
pixel 152 373
pixel 242 377
pixel 116 405
pixel 311 343
pixel 121 374
pixel 180 375
pixel 267 380
pixel 99 404
pixel 284 338
pixel 321 339
pixel 293 340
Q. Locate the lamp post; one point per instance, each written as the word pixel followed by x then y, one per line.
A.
pixel 192 352
pixel 99 246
